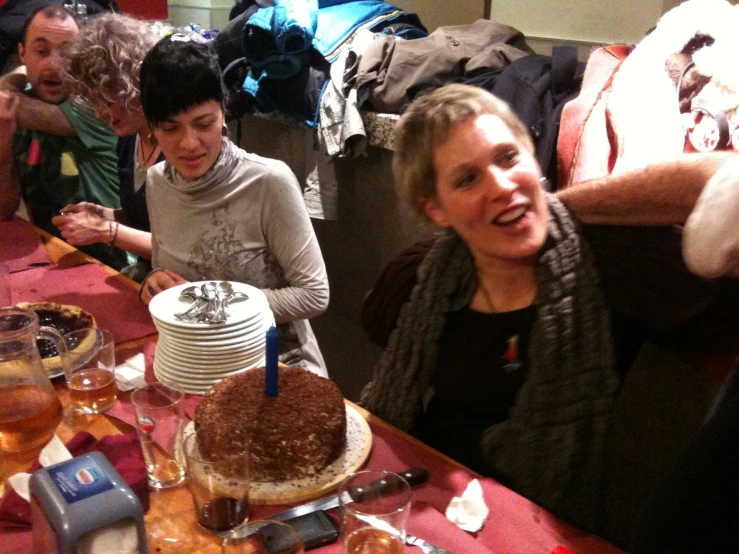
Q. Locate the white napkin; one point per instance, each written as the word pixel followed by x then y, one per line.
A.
pixel 53 453
pixel 469 511
pixel 130 374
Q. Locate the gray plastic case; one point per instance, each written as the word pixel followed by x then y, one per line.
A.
pixel 63 509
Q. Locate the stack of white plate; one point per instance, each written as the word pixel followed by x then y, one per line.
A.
pixel 195 356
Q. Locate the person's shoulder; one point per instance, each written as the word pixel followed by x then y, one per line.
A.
pixel 93 132
pixel 77 107
pixel 382 304
pixel 269 172
pixel 269 165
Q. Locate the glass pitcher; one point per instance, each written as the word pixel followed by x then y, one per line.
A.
pixel 30 409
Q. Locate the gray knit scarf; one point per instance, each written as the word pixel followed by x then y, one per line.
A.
pixel 552 447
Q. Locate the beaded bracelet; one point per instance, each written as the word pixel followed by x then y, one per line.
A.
pixel 112 232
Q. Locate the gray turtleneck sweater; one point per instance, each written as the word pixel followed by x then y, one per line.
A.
pixel 244 220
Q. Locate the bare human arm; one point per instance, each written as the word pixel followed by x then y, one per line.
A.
pixel 10 189
pixel 87 223
pixel 659 194
pixel 33 113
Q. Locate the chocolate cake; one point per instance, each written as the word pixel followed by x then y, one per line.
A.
pixel 293 435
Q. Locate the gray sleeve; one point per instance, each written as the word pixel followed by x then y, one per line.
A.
pixel 290 237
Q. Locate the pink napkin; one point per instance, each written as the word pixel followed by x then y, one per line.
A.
pixel 20 247
pixel 122 451
pixel 114 304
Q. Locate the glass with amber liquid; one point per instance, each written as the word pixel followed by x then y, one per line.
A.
pixel 372 524
pixel 90 369
pixel 30 409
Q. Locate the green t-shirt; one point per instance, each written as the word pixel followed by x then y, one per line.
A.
pixel 55 171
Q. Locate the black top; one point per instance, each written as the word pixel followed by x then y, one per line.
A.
pixel 479 372
pixel 133 202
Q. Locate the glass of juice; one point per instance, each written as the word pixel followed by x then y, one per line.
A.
pixel 374 524
pixel 90 370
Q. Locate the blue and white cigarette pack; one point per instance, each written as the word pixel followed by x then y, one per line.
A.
pixel 81 506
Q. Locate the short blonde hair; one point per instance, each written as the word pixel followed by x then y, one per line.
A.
pixel 427 123
pixel 103 63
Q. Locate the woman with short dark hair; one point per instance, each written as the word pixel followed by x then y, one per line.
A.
pixel 218 212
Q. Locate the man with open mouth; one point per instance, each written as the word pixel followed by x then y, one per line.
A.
pixel 53 151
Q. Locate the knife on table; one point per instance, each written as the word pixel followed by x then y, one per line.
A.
pixel 414 476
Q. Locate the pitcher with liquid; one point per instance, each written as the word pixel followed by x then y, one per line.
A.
pixel 30 409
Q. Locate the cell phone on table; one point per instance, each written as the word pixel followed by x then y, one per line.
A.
pixel 316 529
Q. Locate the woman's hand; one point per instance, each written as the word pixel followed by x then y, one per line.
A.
pixel 157 282
pixel 84 223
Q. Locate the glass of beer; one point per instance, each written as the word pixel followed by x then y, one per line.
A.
pixel 263 537
pixel 160 424
pixel 30 409
pixel 89 370
pixel 370 523
pixel 219 485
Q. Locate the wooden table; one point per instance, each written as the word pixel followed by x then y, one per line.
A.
pixel 171 524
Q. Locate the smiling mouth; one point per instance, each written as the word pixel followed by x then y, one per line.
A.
pixel 511 217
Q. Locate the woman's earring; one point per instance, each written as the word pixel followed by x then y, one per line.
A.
pixel 224 130
pixel 545 184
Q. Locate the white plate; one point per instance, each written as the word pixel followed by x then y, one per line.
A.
pixel 176 362
pixel 191 385
pixel 212 370
pixel 167 303
pixel 215 332
pixel 200 380
pixel 358 446
pixel 213 353
pixel 256 336
pixel 208 356
pixel 179 364
pixel 189 389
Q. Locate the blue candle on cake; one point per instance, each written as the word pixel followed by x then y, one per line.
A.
pixel 270 378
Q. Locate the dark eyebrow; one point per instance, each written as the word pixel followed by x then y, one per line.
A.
pixel 41 40
pixel 204 116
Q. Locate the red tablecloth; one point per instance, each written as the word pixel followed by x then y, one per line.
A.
pixel 114 304
pixel 20 249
